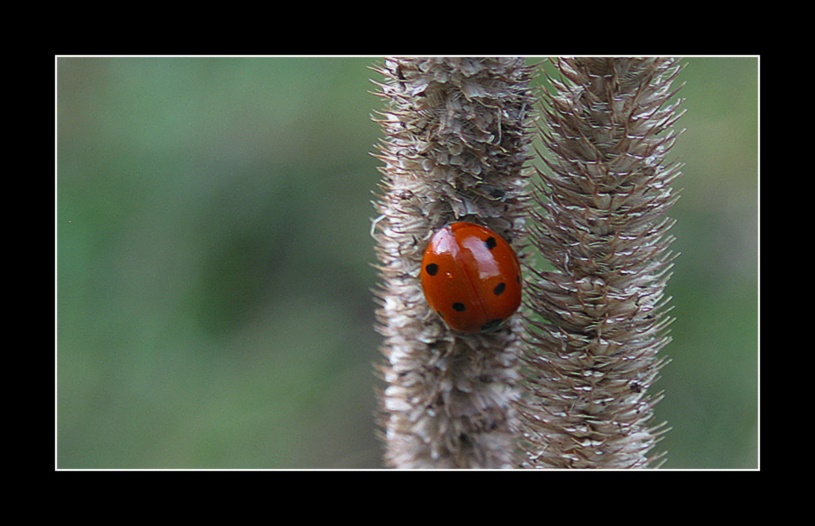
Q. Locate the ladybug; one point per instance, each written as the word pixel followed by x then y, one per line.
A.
pixel 471 277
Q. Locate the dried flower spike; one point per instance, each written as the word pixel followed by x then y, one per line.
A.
pixel 455 141
pixel 600 317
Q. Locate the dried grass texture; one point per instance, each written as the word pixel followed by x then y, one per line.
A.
pixel 455 141
pixel 598 321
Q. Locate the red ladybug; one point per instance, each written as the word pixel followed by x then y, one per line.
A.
pixel 471 277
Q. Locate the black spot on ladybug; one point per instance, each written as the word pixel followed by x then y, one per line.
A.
pixel 459 307
pixel 491 243
pixel 432 269
pixel 492 324
pixel 499 289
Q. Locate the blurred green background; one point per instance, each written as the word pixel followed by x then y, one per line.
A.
pixel 214 265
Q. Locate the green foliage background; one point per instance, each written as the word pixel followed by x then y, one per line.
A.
pixel 214 265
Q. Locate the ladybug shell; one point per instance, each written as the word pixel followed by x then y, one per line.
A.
pixel 471 277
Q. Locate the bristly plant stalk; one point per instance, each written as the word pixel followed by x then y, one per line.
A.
pixel 456 137
pixel 598 320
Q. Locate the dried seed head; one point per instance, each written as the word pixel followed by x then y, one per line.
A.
pixel 455 142
pixel 600 315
